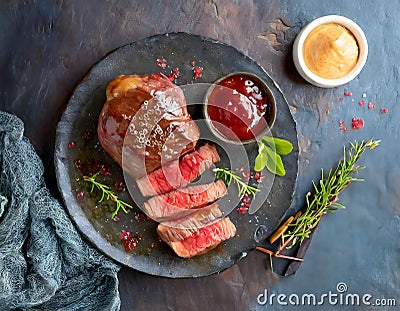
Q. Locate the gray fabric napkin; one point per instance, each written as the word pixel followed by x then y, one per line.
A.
pixel 44 263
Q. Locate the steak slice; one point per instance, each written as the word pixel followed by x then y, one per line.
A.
pixel 177 203
pixel 177 174
pixel 199 241
pixel 145 122
pixel 191 222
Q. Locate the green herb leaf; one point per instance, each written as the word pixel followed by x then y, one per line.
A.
pixel 274 162
pixel 270 150
pixel 260 161
pixel 282 146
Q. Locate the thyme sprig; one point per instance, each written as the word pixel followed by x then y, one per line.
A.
pixel 228 176
pixel 323 201
pixel 107 194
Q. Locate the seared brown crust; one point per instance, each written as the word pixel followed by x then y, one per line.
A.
pixel 140 114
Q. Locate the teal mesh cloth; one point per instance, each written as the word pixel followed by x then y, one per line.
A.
pixel 44 262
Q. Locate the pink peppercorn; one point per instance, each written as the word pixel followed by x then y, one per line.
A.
pixel 125 235
pixel 141 217
pixel 242 210
pixel 357 123
pixel 119 185
pixel 105 170
pixel 161 62
pixel 198 72
pixel 259 176
pixel 80 195
pixel 174 74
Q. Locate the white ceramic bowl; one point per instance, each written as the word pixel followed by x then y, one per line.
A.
pixel 311 77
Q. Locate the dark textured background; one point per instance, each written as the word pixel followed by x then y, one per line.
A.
pixel 48 46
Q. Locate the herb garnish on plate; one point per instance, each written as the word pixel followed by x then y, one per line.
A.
pixel 107 194
pixel 228 176
pixel 270 150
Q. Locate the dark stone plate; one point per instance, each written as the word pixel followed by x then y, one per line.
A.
pixel 78 124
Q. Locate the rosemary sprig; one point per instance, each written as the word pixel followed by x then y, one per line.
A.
pixel 228 176
pixel 323 201
pixel 106 194
pixel 325 198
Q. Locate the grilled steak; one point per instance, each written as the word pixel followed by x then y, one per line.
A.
pixel 145 122
pixel 177 203
pixel 178 174
pixel 197 242
pixel 146 128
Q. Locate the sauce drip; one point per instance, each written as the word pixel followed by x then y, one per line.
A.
pixel 239 107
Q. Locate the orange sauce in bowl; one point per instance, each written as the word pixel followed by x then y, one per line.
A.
pixel 330 51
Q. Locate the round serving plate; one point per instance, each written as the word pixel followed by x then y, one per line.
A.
pixel 77 142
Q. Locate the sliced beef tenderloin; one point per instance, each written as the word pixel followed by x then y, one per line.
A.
pixel 179 202
pixel 145 122
pixel 177 174
pixel 197 242
pixel 190 223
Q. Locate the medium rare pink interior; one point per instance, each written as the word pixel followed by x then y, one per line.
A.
pixel 185 226
pixel 208 236
pixel 177 203
pixel 196 195
pixel 178 174
pixel 188 243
